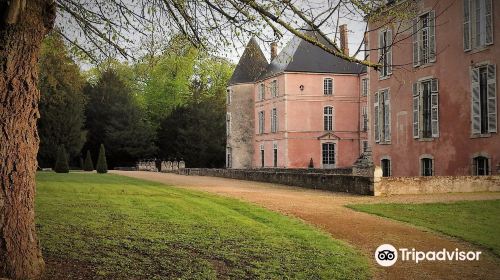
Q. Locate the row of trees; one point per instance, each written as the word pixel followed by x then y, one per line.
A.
pixel 170 105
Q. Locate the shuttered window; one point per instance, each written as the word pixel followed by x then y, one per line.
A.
pixel 426 109
pixel 364 118
pixel 478 23
pixel 484 100
pixel 382 116
pixel 376 118
pixel 424 39
pixel 385 52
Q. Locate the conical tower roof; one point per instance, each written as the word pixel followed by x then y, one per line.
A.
pixel 251 64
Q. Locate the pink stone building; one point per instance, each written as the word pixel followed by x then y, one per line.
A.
pixel 433 105
pixel 309 107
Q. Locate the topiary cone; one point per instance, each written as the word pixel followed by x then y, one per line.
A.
pixel 102 165
pixel 88 165
pixel 61 165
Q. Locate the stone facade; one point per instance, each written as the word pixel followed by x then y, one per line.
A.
pixel 240 122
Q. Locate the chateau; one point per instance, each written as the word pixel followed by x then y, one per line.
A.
pixel 431 109
pixel 303 109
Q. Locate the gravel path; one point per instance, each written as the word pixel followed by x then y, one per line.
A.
pixel 366 232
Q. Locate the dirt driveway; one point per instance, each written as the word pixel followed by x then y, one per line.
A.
pixel 366 232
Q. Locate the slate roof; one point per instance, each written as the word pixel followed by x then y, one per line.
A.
pixel 252 63
pixel 301 56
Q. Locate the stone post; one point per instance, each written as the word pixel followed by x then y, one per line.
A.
pixel 175 165
pixel 182 164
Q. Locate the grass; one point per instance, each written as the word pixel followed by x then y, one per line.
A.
pixel 474 221
pixel 134 229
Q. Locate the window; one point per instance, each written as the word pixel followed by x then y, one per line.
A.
pixel 424 39
pixel 386 167
pixel 364 87
pixel 478 24
pixel 427 167
pixel 385 52
pixel 228 124
pixel 364 119
pixel 480 166
pixel 261 122
pixel 262 155
pixel 328 118
pixel 262 91
pixel 364 146
pixel 484 100
pixel 229 163
pixel 426 109
pixel 274 120
pixel 275 155
pixel 328 155
pixel 327 86
pixel 274 88
pixel 382 115
pixel 228 96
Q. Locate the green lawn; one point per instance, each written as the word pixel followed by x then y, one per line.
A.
pixel 474 221
pixel 133 229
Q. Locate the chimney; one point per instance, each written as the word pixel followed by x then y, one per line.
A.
pixel 344 45
pixel 274 50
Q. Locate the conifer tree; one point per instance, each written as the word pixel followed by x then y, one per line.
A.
pixel 89 165
pixel 61 165
pixel 102 165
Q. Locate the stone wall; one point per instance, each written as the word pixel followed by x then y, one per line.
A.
pixel 329 182
pixel 435 184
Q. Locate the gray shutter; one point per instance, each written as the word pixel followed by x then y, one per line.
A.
pixel 432 36
pixel 387 116
pixel 380 50
pixel 389 51
pixel 416 111
pixel 467 25
pixel 435 108
pixel 492 99
pixel 416 59
pixel 376 130
pixel 489 22
pixel 476 102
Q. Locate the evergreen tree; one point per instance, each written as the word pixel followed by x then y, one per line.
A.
pixel 62 103
pixel 61 165
pixel 102 166
pixel 88 165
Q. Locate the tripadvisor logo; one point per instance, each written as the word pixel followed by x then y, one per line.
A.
pixel 387 255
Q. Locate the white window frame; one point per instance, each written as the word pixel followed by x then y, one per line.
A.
pixel 328 118
pixel 228 124
pixel 335 153
pixel 433 167
pixel 328 86
pixel 425 56
pixel 364 118
pixel 261 92
pixel 491 96
pixel 382 116
pixel 364 87
pixel 471 21
pixel 261 120
pixel 385 53
pixel 274 120
pixel 262 156
pixel 274 88
pixel 418 101
pixel 275 154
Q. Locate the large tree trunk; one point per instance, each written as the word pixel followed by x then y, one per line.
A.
pixel 22 29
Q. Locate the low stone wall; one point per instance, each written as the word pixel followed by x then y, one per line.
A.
pixel 435 184
pixel 330 182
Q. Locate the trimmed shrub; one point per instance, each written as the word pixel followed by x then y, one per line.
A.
pixel 61 165
pixel 88 165
pixel 102 165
